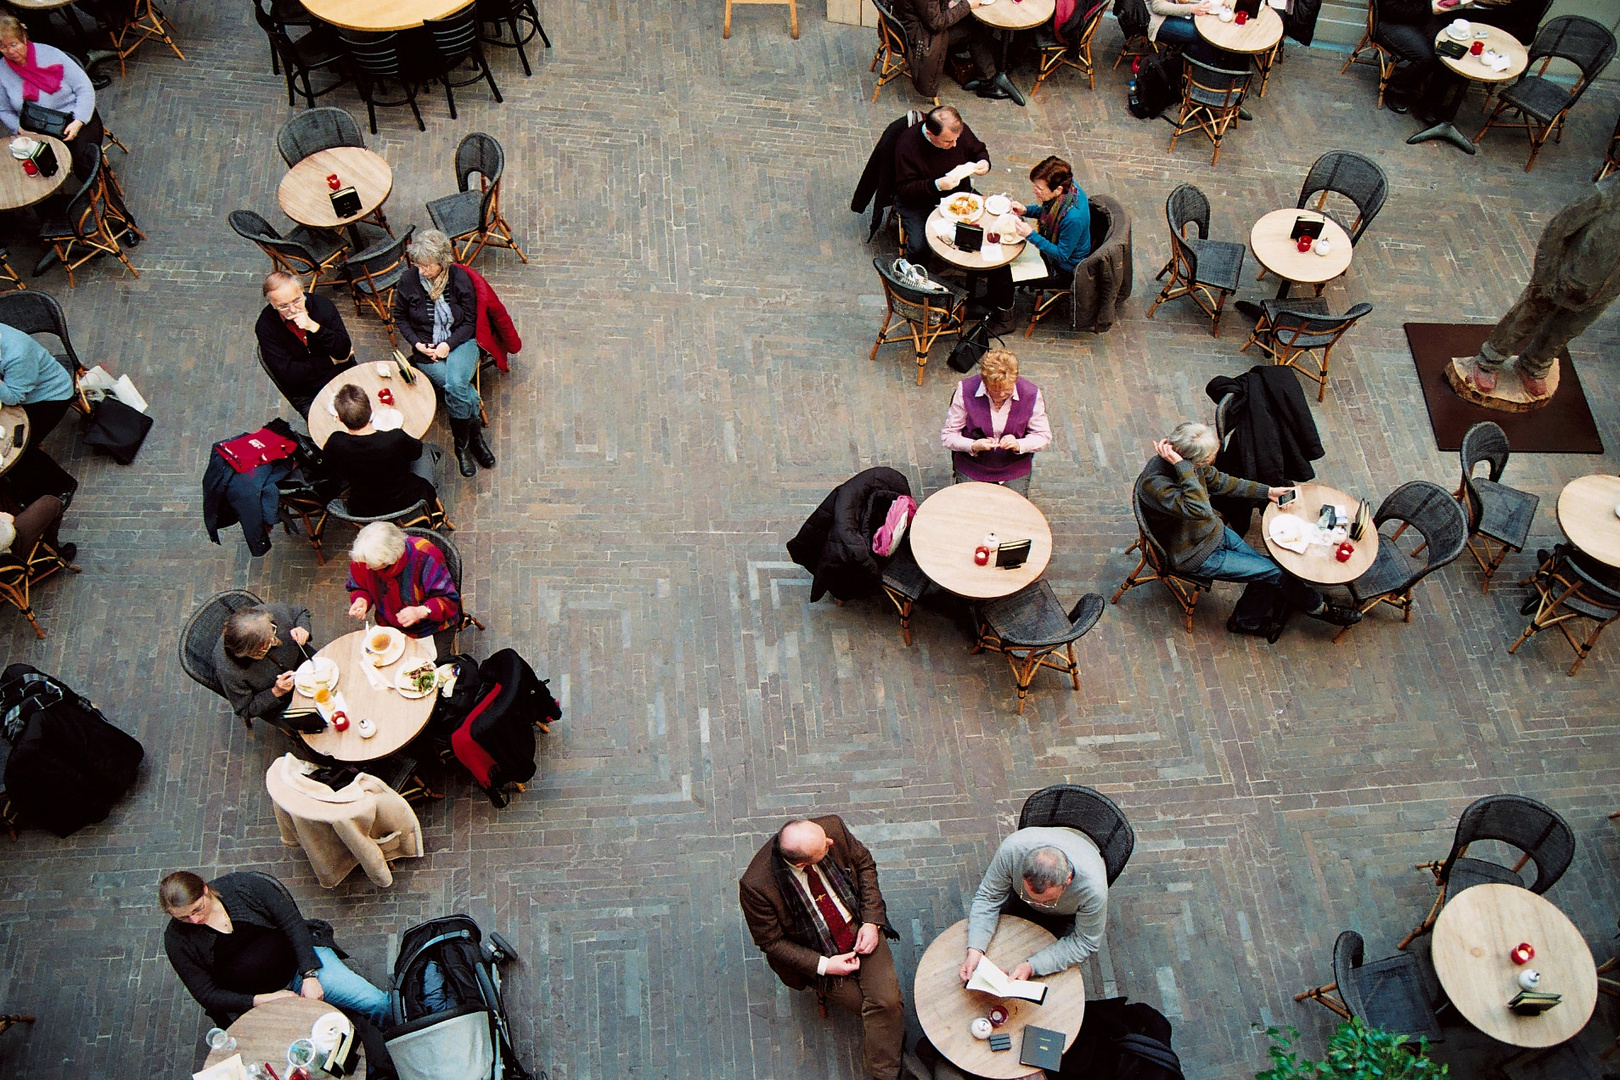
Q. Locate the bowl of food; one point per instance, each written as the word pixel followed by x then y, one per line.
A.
pixel 383 645
pixel 963 208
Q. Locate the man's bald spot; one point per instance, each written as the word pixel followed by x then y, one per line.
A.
pixel 801 839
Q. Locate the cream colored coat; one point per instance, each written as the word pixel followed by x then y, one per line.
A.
pixel 365 824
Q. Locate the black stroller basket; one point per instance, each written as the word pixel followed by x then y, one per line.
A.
pixel 450 1021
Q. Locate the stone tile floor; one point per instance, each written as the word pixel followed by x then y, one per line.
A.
pixel 697 309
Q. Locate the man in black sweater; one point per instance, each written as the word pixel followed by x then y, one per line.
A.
pixel 302 339
pixel 934 159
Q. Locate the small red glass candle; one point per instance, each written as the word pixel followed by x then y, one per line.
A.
pixel 333 182
pixel 1477 48
pixel 1344 551
pixel 386 396
pixel 340 721
pixel 981 555
pixel 29 167
pixel 1242 17
pixel 997 1016
pixel 1304 244
pixel 1522 953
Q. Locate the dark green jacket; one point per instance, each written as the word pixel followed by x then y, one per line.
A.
pixel 1176 501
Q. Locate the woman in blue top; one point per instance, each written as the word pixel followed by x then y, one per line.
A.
pixel 1061 233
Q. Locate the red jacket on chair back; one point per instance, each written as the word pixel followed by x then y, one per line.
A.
pixel 497 334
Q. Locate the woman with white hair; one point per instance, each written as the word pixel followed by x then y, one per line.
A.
pixel 436 308
pixel 401 581
pixel 1176 486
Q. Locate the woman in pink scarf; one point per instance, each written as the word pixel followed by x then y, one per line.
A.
pixel 47 77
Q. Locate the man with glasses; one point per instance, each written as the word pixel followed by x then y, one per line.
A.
pixel 302 339
pixel 811 901
pixel 1051 876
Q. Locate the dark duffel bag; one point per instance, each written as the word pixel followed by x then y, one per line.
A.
pixel 1262 611
pixel 116 430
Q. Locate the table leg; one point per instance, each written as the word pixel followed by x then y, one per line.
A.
pixel 1282 289
pixel 1006 37
pixel 1447 131
pixel 356 241
pixel 1445 111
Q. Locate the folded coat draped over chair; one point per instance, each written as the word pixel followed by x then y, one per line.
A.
pixel 835 542
pixel 1274 437
pixel 876 185
pixel 496 332
pixel 1102 281
pixel 364 824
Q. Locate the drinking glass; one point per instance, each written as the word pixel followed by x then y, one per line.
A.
pixel 220 1040
pixel 301 1054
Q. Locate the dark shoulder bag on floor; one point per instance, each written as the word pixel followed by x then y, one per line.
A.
pixel 1158 85
pixel 1262 611
pixel 973 344
pixel 116 430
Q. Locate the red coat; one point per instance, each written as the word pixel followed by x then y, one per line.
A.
pixel 497 334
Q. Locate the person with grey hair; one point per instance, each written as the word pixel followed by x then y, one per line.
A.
pixel 436 308
pixel 1052 876
pixel 1176 488
pixel 257 652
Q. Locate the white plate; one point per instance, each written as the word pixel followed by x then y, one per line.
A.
pixel 328 1031
pixel 396 646
pixel 407 688
pixel 387 418
pixel 998 204
pixel 978 208
pixel 304 677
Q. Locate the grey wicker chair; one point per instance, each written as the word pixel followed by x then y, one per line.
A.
pixel 418 513
pixel 374 273
pixel 1357 178
pixel 1074 806
pixel 1210 100
pixel 1029 627
pixel 904 584
pixel 471 218
pixel 1534 828
pixel 1434 513
pixel 1389 994
pixel 1300 334
pixel 893 51
pixel 313 256
pixel 925 315
pixel 201 634
pixel 1207 270
pixel 1542 104
pixel 1154 565
pixel 1568 590
pixel 315 130
pixel 1496 513
pixel 452 561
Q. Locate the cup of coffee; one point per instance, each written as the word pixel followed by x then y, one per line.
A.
pixel 378 642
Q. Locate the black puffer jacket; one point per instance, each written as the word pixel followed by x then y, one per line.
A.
pixel 835 543
pixel 1274 437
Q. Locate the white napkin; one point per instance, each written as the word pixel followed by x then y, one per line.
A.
pixel 387 418
pixel 991 252
pixel 1500 63
pixel 943 229
pixel 364 663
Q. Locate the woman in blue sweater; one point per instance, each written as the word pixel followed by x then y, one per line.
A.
pixel 1061 232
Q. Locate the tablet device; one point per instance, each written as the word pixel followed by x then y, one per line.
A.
pixel 1012 555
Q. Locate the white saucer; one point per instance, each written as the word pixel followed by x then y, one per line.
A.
pixel 304 677
pixel 396 646
pixel 387 418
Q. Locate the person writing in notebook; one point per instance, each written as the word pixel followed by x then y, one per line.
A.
pixel 1053 877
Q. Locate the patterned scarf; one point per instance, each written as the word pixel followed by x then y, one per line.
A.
pixel 36 78
pixel 808 928
pixel 1052 213
pixel 435 288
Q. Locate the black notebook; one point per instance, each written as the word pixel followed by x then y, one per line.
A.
pixel 1042 1048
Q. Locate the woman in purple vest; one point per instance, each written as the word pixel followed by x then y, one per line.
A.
pixel 996 424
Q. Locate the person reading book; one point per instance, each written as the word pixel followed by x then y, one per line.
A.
pixel 1054 877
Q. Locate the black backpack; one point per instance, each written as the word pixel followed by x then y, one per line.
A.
pixel 1158 85
pixel 1262 611
pixel 1122 1041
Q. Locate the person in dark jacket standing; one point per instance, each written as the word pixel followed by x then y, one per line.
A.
pixel 240 941
pixel 934 159
pixel 386 470
pixel 436 309
pixel 302 339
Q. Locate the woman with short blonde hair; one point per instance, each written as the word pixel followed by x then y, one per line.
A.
pixel 402 581
pixel 996 423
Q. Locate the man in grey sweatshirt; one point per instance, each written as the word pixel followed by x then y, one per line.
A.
pixel 1059 874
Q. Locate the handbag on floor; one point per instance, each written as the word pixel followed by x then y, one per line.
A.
pixel 116 430
pixel 973 344
pixel 1262 611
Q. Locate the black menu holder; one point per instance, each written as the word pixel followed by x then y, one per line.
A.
pixel 44 156
pixel 345 202
pixel 1010 556
pixel 1305 227
pixel 969 237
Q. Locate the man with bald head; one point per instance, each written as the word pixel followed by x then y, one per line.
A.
pixel 811 901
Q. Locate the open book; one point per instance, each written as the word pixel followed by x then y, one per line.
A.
pixel 989 979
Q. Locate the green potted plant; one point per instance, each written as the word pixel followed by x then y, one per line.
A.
pixel 1355 1052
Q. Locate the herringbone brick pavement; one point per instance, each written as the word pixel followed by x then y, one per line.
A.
pixel 697 309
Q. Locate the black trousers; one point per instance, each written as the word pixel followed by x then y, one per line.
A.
pixel 999 287
pixel 43 418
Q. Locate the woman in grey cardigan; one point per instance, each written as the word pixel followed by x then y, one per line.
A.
pixel 257 653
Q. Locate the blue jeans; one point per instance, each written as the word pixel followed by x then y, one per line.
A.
pixel 343 989
pixel 1235 560
pixel 453 376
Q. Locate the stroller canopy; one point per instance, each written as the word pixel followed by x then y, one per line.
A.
pixel 457 1048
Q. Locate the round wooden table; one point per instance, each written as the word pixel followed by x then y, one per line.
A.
pixel 1472 938
pixel 1317 565
pixel 1474 68
pixel 416 403
pixel 1281 256
pixel 952 521
pixel 305 196
pixel 18 189
pixel 1259 37
pixel 12 445
pixel 968 260
pixel 1586 513
pixel 264 1032
pixel 399 719
pixel 382 15
pixel 945 1007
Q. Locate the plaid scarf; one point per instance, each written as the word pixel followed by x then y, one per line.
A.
pixel 808 928
pixel 1052 213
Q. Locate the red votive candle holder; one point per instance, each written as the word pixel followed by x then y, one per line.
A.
pixel 1477 47
pixel 1522 953
pixel 333 182
pixel 1242 17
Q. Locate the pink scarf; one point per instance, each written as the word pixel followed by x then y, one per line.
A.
pixel 36 78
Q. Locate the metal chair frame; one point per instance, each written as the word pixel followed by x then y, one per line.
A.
pixel 369 274
pixel 925 319
pixel 90 232
pixel 475 153
pixel 1380 55
pixel 1156 561
pixel 1025 658
pixel 1210 100
pixel 1183 264
pixel 144 22
pixel 1294 338
pixel 893 51
pixel 19 576
pixel 455 42
pixel 513 12
pixel 1075 54
pixel 1565 593
pixel 377 62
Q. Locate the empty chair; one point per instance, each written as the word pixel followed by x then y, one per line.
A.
pixel 1359 179
pixel 1568 591
pixel 893 51
pixel 373 274
pixel 130 22
pixel 1210 100
pixel 1070 44
pixel 316 130
pixel 376 62
pixel 904 584
pixel 317 50
pixel 452 562
pixel 92 227
pixel 1074 806
pixel 455 43
pixel 1431 510
pixel 315 256
pixel 1496 513
pixel 1388 994
pixel 1154 565
pixel 1372 51
pixel 1541 835
pixel 1030 626
pixel 34 313
pixel 522 17
pixel 924 313
pixel 201 634
pixel 284 13
pixel 1300 334
pixel 1541 104
pixel 1204 269
pixel 300 502
pixel 471 218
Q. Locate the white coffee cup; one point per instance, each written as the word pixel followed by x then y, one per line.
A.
pixel 1227 15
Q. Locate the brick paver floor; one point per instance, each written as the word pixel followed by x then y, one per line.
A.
pixel 697 311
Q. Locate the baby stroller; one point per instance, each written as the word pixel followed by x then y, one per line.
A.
pixel 449 1021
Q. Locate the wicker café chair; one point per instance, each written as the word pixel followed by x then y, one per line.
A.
pixel 923 315
pixel 1204 269
pixel 1567 591
pixel 314 256
pixel 7 274
pixel 1359 179
pixel 1542 104
pixel 1300 334
pixel 20 572
pixel 1074 806
pixel 1497 514
pixel 1210 100
pixel 1371 51
pixel 1389 994
pixel 1154 565
pixel 452 562
pixel 201 633
pixel 893 51
pixel 1075 48
pixel 1029 628
pixel 471 218
pixel 1428 508
pixel 315 130
pixel 1537 830
pixel 904 584
pixel 373 275
pixel 93 224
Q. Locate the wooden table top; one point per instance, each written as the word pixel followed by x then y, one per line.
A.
pixel 1015 14
pixel 1280 255
pixel 18 189
pixel 1586 513
pixel 39 5
pixel 399 719
pixel 952 521
pixel 1472 67
pixel 306 198
pixel 1317 565
pixel 264 1032
pixel 10 449
pixel 382 15
pixel 1472 938
pixel 969 260
pixel 1260 34
pixel 945 1007
pixel 416 403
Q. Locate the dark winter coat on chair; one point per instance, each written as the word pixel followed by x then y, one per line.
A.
pixel 835 542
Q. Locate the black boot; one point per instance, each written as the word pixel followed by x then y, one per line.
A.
pixel 461 431
pixel 480 449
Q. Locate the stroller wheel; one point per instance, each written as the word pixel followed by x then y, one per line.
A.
pixel 502 948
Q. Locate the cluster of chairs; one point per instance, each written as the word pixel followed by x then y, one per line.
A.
pixel 123 24
pixel 390 69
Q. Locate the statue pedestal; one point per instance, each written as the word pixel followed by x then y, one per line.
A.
pixel 1509 395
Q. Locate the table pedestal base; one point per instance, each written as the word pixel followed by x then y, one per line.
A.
pixel 1445 130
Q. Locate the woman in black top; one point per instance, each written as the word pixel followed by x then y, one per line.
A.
pixel 239 941
pixel 386 470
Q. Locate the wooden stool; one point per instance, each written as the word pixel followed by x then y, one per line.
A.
pixel 793 14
